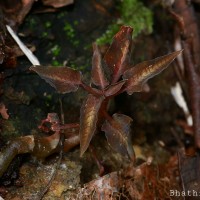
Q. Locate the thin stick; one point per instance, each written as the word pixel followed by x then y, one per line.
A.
pixel 32 58
pixel 194 91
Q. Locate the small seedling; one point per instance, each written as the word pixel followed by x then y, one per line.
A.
pixel 41 147
pixel 111 75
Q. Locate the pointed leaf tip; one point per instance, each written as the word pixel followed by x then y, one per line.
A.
pixel 114 88
pixel 98 75
pixel 139 74
pixel 63 79
pixel 117 57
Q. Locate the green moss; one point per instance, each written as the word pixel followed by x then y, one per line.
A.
pixel 56 50
pixel 76 43
pixel 62 14
pixel 69 30
pixel 70 33
pixel 44 34
pixel 108 35
pixel 48 24
pixel 77 66
pixel 56 63
pixel 76 22
pixel 133 13
pixel 32 22
pixel 49 97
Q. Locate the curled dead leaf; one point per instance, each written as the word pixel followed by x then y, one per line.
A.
pixel 57 3
pixel 4 111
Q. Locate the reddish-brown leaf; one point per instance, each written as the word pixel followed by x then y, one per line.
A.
pixel 8 48
pixel 117 131
pixel 16 10
pixel 117 57
pixel 98 76
pixel 113 89
pixel 57 3
pixel 88 120
pixel 138 75
pixel 63 79
pixel 4 111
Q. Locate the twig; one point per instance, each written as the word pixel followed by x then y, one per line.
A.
pixel 185 17
pixel 190 32
pixel 194 91
pixel 32 58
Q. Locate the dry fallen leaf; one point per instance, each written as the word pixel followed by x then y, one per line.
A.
pixel 57 3
pixel 3 111
pixel 16 10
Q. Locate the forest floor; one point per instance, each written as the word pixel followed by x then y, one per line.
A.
pixel 65 37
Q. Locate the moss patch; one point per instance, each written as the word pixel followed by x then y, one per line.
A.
pixel 133 13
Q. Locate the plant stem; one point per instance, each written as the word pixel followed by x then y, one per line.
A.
pixel 91 90
pixel 123 89
pixel 98 162
pixel 107 116
pixel 69 126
